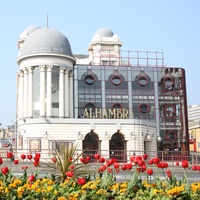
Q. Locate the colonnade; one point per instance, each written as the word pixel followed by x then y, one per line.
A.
pixel 26 83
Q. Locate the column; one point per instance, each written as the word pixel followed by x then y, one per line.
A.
pixel 61 92
pixel 71 103
pixel 42 91
pixel 49 91
pixel 103 86
pixel 30 92
pixel 156 96
pixel 67 93
pixel 21 93
pixel 25 101
pixel 130 98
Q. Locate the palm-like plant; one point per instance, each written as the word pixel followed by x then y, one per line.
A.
pixel 62 159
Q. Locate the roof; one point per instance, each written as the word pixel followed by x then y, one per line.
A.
pixel 104 32
pixel 46 40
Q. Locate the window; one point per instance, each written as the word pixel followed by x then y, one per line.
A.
pixel 168 83
pixel 89 80
pixel 34 145
pixel 58 144
pixel 117 106
pixel 171 136
pixel 116 80
pixel 90 106
pixel 143 108
pixel 142 81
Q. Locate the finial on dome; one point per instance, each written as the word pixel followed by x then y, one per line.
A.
pixel 47 21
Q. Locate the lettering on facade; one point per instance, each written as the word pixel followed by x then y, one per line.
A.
pixel 100 113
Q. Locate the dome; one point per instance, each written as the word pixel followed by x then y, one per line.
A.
pixel 46 40
pixel 32 28
pixel 104 32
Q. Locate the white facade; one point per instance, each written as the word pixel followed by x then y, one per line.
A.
pixel 194 113
pixel 46 97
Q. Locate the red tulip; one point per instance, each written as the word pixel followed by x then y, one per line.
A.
pixel 69 173
pixel 158 165
pixel 71 167
pixel 144 167
pixel 54 159
pixel 123 167
pixel 24 167
pixel 132 158
pixel 177 163
pixel 139 169
pixel 102 160
pixel 9 154
pixel 109 162
pixel 198 168
pixel 96 156
pixel 4 170
pixel 31 178
pixel 36 164
pixel 23 156
pixel 16 162
pixel 29 156
pixel 81 181
pixel 82 159
pixel 87 158
pixel 109 170
pixel 1 160
pixel 101 169
pixel 149 171
pixel 129 166
pixel 37 155
pixel 145 156
pixel 185 164
pixel 194 167
pixel 140 162
pixel 117 170
pixel 36 159
pixel 168 172
pixel 150 162
pixel 116 165
pixel 156 160
pixel 166 165
pixel 162 165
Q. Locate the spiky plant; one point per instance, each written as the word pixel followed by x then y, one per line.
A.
pixel 62 159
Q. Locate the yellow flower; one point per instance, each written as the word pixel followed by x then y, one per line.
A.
pixel 49 188
pixel 55 192
pixel 123 184
pixel 62 198
pixel 93 187
pixel 7 190
pixel 175 191
pixel 123 190
pixel 101 191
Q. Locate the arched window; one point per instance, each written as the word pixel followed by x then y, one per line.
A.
pixel 117 147
pixel 91 145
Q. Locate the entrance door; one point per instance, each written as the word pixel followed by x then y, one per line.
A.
pixel 117 147
pixel 91 144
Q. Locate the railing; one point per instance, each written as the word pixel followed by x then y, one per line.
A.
pixel 121 156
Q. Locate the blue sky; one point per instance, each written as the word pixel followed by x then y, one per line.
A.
pixel 171 26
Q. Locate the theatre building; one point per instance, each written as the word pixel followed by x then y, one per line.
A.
pixel 110 101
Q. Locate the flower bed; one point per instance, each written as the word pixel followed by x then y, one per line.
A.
pixel 72 182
